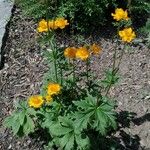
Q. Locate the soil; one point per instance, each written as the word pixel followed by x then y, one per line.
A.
pixel 24 69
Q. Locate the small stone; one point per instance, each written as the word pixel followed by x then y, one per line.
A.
pixel 142 143
pixel 147 97
pixel 28 141
pixel 10 146
pixel 62 45
pixel 119 103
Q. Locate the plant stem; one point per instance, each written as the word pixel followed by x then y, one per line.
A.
pixel 87 72
pixel 113 71
pixel 121 56
pixel 61 75
pixel 74 78
pixel 108 88
pixel 54 52
pixel 52 43
pixel 115 68
pixel 129 6
pixel 114 59
pixel 55 64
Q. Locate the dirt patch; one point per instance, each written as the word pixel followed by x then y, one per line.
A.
pixel 24 69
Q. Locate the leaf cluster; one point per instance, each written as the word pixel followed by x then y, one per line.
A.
pixel 140 6
pixel 82 14
pixel 21 120
pixel 146 30
pixel 71 131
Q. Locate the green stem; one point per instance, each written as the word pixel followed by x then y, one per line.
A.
pixel 121 56
pixel 55 64
pixel 115 68
pixel 47 10
pixel 61 75
pixel 87 71
pixel 108 88
pixel 54 52
pixel 52 42
pixel 114 60
pixel 74 78
pixel 113 71
pixel 129 6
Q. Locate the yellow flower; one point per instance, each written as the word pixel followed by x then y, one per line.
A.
pixel 96 49
pixel 53 89
pixel 52 24
pixel 82 53
pixel 35 101
pixel 61 23
pixel 48 98
pixel 127 34
pixel 120 14
pixel 70 52
pixel 42 26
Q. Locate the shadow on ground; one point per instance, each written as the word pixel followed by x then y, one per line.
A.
pixel 127 141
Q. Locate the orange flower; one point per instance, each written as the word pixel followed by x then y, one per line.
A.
pixel 53 89
pixel 42 26
pixel 52 24
pixel 61 23
pixel 127 34
pixel 35 101
pixel 96 49
pixel 48 98
pixel 70 52
pixel 120 14
pixel 82 53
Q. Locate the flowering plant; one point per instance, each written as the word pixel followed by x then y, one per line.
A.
pixel 72 107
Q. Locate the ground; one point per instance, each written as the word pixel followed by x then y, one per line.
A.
pixel 25 66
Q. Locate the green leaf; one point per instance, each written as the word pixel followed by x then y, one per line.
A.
pixel 70 143
pixel 104 118
pixel 82 142
pixel 64 140
pixel 57 130
pixel 15 124
pixel 106 107
pixel 28 126
pixel 63 131
pixel 22 115
pixel 65 121
pixel 112 120
pixel 16 121
pixel 100 115
pixel 100 122
pixel 22 104
pixel 82 104
pixel 89 102
pixel 82 119
pixel 8 122
pixel 110 78
pixel 31 111
pixel 47 123
pixel 67 141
